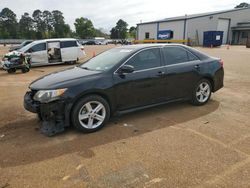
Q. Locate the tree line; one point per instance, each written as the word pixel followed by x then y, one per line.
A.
pixel 51 24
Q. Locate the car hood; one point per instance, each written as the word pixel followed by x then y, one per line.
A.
pixel 13 53
pixel 63 79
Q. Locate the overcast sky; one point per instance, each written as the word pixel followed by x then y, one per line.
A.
pixel 105 13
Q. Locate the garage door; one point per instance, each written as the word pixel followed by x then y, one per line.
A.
pixel 223 25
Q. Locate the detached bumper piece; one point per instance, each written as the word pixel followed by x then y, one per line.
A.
pixel 51 114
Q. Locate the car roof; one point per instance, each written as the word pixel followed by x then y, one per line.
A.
pixel 54 40
pixel 141 46
pixel 137 47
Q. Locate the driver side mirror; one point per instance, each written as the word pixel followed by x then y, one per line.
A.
pixel 126 69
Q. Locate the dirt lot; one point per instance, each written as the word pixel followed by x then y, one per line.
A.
pixel 176 145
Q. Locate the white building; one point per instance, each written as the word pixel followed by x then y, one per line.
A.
pixel 234 23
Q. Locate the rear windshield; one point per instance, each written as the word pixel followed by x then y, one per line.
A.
pixel 107 59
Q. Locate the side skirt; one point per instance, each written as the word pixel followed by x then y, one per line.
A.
pixel 118 113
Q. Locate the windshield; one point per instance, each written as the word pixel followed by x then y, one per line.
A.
pixel 25 48
pixel 107 59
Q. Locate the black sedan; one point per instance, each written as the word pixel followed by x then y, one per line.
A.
pixel 122 80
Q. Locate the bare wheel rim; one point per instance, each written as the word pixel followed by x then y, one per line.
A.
pixel 92 114
pixel 203 92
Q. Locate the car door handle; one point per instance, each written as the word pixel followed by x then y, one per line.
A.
pixel 160 73
pixel 197 66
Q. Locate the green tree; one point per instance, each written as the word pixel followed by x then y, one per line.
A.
pixel 38 23
pixel 84 28
pixel 48 23
pixel 60 28
pixel 243 5
pixel 26 27
pixel 120 30
pixel 8 24
pixel 113 33
pixel 132 32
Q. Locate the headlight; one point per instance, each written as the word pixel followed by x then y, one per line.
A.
pixel 45 96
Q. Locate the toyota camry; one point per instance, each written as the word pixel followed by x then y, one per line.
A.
pixel 122 80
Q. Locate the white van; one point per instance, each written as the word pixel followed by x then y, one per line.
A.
pixel 54 51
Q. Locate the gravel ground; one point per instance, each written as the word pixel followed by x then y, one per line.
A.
pixel 175 145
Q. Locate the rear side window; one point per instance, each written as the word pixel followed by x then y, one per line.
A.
pixel 39 47
pixel 146 59
pixel 68 44
pixel 175 55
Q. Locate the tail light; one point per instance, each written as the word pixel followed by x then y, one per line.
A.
pixel 221 63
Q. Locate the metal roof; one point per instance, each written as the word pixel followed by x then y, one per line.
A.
pixel 191 16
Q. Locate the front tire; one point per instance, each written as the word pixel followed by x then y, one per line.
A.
pixel 201 93
pixel 90 113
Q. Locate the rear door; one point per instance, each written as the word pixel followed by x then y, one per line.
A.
pixel 69 50
pixel 182 71
pixel 39 54
pixel 145 85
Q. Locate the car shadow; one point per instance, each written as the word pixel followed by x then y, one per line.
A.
pixel 22 142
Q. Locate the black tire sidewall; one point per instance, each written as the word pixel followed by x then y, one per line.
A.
pixel 24 70
pixel 78 106
pixel 194 97
pixel 12 70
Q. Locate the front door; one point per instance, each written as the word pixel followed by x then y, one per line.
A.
pixel 38 54
pixel 145 85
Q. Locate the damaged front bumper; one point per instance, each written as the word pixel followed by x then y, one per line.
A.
pixel 52 115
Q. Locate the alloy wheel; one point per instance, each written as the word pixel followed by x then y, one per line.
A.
pixel 92 114
pixel 203 92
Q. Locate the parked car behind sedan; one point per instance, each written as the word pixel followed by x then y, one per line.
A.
pixel 53 51
pixel 90 42
pixel 17 47
pixel 122 80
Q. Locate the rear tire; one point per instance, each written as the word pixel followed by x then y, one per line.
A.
pixel 12 70
pixel 90 113
pixel 24 70
pixel 201 93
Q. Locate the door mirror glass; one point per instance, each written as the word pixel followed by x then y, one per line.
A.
pixel 126 69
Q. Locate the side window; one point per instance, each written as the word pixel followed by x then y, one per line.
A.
pixel 68 44
pixel 39 47
pixel 191 57
pixel 175 55
pixel 146 59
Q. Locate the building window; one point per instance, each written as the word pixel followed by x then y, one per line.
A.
pixel 147 35
pixel 244 34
